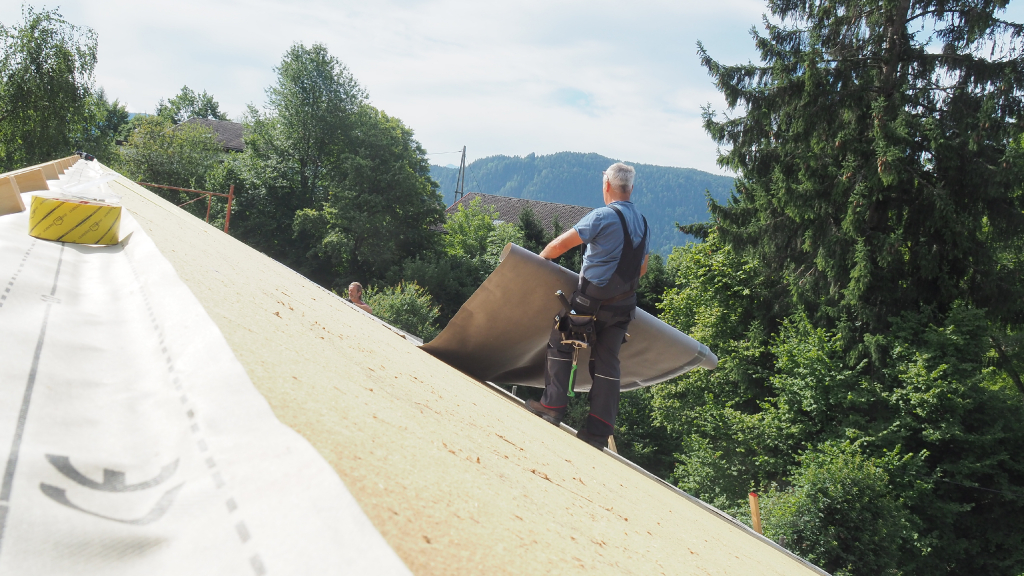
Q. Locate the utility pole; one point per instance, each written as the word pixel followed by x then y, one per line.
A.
pixel 460 183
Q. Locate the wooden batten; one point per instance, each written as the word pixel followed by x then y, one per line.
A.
pixel 10 196
pixel 49 171
pixel 31 180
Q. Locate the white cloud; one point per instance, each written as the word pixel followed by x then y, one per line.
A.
pixel 500 78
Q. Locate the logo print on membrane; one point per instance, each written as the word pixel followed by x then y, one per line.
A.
pixel 113 481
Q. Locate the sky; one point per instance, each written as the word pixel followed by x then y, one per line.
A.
pixel 619 79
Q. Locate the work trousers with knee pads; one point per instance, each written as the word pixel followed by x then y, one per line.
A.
pixel 610 328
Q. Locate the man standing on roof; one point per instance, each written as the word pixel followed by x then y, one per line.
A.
pixel 617 242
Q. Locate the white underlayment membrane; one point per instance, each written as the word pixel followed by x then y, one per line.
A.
pixel 135 442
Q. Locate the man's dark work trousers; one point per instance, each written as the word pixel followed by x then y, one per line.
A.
pixel 604 370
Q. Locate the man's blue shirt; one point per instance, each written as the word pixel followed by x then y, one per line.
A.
pixel 602 233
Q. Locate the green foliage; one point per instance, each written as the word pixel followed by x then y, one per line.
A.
pixel 576 410
pixel 405 306
pixel 653 285
pixel 220 178
pixel 928 389
pixel 292 156
pixel 640 438
pixel 951 405
pixel 840 513
pixel 467 230
pixel 380 212
pixel 102 123
pixel 450 280
pixel 188 104
pixel 710 416
pixel 665 195
pixel 161 153
pixel 46 81
pixel 936 399
pixel 534 237
pixel 468 252
pixel 862 290
pixel 503 234
pixel 331 186
pixel 876 174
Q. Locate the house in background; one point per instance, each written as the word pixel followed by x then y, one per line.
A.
pixel 509 210
pixel 229 134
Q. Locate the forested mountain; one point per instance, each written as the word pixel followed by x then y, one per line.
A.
pixel 665 195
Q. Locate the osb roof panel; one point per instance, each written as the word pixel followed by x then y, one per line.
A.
pixel 457 479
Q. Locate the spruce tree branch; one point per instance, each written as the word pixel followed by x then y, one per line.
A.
pixel 927 13
pixel 861 59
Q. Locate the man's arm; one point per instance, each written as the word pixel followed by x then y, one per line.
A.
pixel 643 267
pixel 569 239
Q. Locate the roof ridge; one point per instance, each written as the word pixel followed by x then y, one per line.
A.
pixel 212 120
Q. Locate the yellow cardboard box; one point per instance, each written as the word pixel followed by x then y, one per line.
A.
pixel 74 220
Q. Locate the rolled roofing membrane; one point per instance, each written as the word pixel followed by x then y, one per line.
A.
pixel 501 333
pixel 135 442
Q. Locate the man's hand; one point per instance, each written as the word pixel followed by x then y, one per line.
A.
pixel 569 239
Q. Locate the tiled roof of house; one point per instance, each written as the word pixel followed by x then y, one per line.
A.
pixel 510 208
pixel 229 134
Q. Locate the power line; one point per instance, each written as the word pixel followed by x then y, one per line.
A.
pixel 436 153
pixel 1003 492
pixel 1014 494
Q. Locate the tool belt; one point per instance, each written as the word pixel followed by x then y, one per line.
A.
pixel 590 305
pixel 577 321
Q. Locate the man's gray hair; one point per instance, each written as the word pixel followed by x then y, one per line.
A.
pixel 621 176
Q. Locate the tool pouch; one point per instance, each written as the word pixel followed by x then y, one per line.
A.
pixel 577 327
pixel 577 324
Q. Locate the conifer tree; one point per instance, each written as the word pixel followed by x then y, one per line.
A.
pixel 872 293
pixel 877 154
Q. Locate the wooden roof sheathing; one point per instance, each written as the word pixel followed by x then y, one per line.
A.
pixel 456 478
